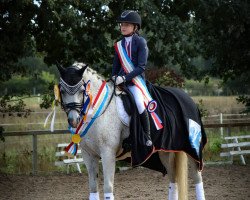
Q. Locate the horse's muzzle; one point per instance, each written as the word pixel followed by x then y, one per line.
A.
pixel 73 118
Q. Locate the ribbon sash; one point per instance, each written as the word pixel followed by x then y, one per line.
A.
pixel 128 67
pixel 89 112
pixel 53 106
pixel 89 117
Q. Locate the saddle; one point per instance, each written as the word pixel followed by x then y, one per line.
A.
pixel 125 106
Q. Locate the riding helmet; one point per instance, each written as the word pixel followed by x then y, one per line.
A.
pixel 130 16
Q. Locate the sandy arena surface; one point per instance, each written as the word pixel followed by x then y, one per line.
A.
pixel 221 182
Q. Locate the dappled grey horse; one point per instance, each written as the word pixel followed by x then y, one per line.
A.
pixel 105 136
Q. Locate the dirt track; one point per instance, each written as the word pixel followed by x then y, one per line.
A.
pixel 221 182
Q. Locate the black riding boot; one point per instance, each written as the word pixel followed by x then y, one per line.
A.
pixel 146 127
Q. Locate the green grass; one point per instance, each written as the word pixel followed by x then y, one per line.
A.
pixel 213 148
pixel 35 121
pixel 16 154
pixel 13 162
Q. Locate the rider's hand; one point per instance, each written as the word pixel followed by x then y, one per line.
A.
pixel 119 80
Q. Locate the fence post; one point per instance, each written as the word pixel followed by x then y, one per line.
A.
pixel 34 153
pixel 221 121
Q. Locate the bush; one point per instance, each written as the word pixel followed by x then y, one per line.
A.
pixel 164 77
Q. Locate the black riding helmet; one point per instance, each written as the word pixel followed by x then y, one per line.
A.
pixel 130 16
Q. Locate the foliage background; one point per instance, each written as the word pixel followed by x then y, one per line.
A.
pixel 188 39
pixel 197 39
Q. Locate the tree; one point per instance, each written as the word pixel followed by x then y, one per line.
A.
pixel 16 39
pixel 177 31
pixel 224 30
pixel 69 31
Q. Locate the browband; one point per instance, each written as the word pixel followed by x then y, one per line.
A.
pixel 70 89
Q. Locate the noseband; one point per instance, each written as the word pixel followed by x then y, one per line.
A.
pixel 71 90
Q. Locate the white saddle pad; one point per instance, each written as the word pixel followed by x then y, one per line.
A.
pixel 123 116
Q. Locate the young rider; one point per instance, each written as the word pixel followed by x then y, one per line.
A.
pixel 137 51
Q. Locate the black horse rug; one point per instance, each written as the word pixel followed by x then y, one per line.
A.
pixel 183 129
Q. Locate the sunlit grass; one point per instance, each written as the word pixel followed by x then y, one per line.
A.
pixel 220 104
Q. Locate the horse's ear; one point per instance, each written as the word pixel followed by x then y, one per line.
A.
pixel 60 68
pixel 81 71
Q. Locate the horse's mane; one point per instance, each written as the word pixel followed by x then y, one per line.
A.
pixel 91 72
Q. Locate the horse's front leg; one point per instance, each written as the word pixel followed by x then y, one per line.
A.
pixel 108 164
pixel 92 165
pixel 196 176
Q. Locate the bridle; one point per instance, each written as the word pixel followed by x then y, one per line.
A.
pixel 71 90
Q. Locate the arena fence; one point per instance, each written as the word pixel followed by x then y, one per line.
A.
pixel 36 133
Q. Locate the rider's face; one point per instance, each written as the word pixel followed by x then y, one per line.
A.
pixel 127 28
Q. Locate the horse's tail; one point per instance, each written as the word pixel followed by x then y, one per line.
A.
pixel 181 166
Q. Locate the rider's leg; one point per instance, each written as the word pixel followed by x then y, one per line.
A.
pixel 146 126
pixel 139 101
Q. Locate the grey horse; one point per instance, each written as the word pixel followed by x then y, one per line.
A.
pixel 104 138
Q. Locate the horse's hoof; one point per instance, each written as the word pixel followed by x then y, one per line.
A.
pixel 149 143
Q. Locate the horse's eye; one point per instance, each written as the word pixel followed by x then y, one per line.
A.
pixel 80 93
pixel 82 90
pixel 62 92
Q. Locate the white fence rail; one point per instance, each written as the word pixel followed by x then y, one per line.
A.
pixel 226 118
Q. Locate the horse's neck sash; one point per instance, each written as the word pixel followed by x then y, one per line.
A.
pixel 128 67
pixel 89 111
pixel 92 112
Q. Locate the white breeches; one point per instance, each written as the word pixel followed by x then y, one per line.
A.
pixel 139 100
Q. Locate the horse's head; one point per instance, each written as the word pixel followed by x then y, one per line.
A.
pixel 72 91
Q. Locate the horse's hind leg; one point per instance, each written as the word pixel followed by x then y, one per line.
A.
pixel 167 160
pixel 176 164
pixel 108 164
pixel 92 165
pixel 196 176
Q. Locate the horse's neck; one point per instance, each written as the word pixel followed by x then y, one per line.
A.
pixel 95 80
